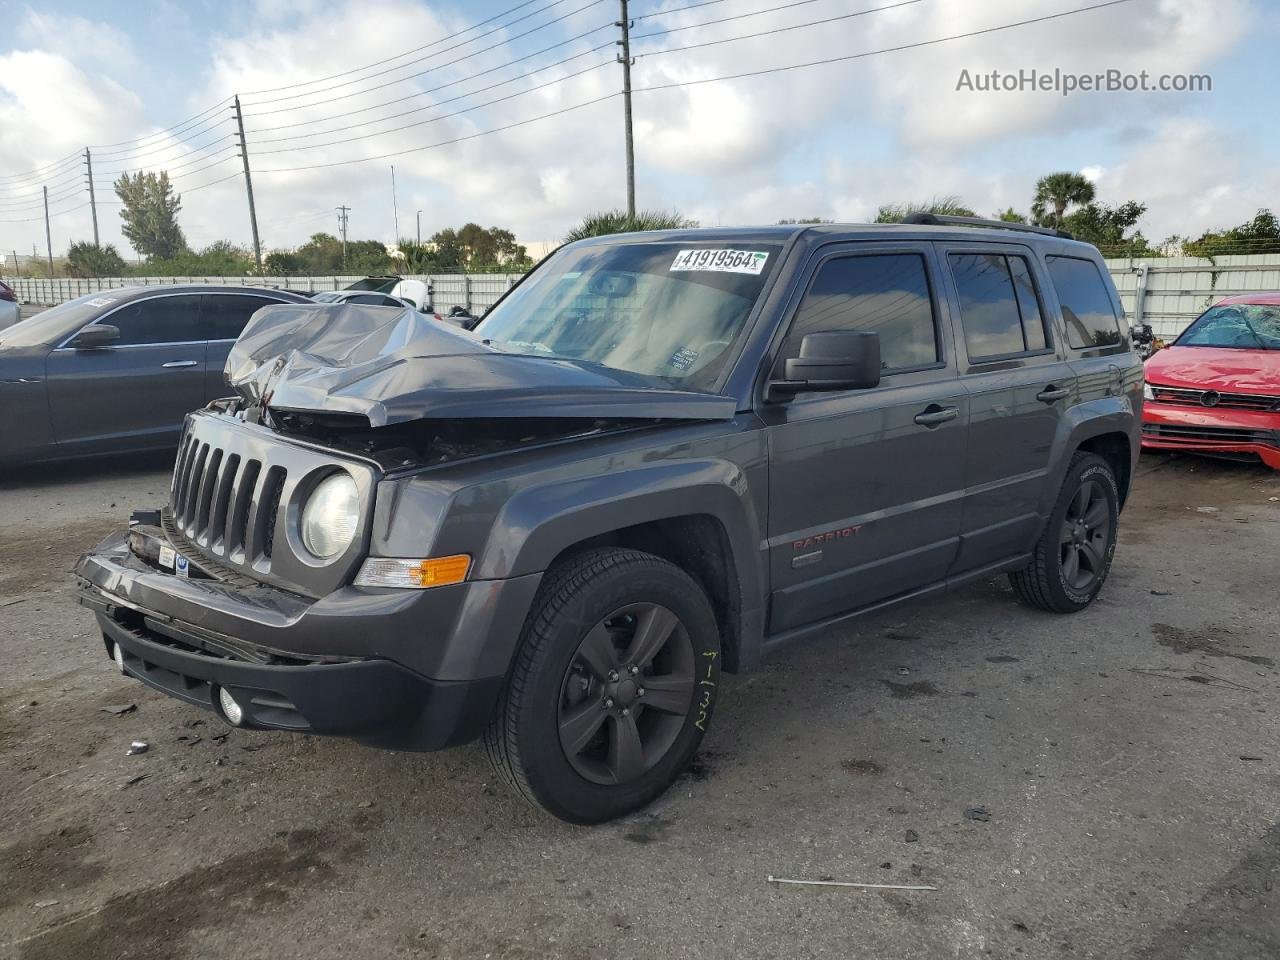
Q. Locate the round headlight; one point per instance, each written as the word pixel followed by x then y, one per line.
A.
pixel 330 516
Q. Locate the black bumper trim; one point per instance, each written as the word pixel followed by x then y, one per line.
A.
pixel 373 701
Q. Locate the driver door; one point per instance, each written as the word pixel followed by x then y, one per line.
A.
pixel 134 393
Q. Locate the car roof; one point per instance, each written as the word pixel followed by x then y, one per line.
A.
pixel 829 232
pixel 1270 298
pixel 125 294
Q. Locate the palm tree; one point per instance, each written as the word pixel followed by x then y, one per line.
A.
pixel 1059 191
pixel 616 221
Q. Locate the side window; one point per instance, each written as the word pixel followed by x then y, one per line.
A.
pixel 157 320
pixel 999 309
pixel 368 299
pixel 225 314
pixel 1087 309
pixel 883 293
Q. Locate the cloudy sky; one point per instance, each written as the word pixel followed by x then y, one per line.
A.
pixel 147 85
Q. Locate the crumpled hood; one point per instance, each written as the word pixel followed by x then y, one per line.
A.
pixel 1216 368
pixel 393 366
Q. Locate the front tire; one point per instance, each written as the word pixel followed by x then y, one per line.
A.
pixel 612 689
pixel 1073 556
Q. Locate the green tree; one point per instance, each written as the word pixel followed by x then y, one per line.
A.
pixel 609 222
pixel 1010 215
pixel 950 206
pixel 1105 227
pixel 1259 235
pixel 1056 192
pixel 800 221
pixel 92 260
pixel 150 214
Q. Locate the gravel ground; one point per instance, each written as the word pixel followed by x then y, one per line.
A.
pixel 1127 760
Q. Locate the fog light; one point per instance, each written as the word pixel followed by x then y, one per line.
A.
pixel 230 708
pixel 117 654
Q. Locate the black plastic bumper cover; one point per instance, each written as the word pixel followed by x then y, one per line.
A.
pixel 374 701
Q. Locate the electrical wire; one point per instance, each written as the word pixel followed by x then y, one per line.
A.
pixel 663 13
pixel 443 116
pixel 771 32
pixel 443 86
pixel 421 73
pixel 474 53
pixel 378 63
pixel 445 143
pixel 737 16
pixel 866 53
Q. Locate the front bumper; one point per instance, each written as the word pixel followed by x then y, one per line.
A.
pixel 396 668
pixel 1212 431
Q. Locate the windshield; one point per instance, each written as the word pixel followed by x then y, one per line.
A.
pixel 55 324
pixel 667 310
pixel 1243 326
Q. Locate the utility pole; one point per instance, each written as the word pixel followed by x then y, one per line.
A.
pixel 626 61
pixel 48 235
pixel 419 228
pixel 248 185
pixel 17 266
pixel 394 207
pixel 342 225
pixel 93 204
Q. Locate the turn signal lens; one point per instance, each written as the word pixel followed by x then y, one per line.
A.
pixel 413 574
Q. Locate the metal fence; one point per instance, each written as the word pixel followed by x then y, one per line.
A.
pixel 1167 292
pixel 476 292
pixel 1170 292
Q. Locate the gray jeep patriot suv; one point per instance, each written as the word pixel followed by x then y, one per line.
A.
pixel 660 455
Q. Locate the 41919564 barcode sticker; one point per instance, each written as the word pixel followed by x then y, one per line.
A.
pixel 723 261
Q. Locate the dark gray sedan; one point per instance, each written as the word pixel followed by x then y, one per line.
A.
pixel 116 371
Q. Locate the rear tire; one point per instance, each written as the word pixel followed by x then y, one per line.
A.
pixel 612 688
pixel 1073 556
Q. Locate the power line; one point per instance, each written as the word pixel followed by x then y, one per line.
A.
pixel 443 86
pixel 44 170
pixel 736 16
pixel 767 33
pixel 663 13
pixel 443 116
pixel 445 143
pixel 378 63
pixel 412 76
pixel 865 53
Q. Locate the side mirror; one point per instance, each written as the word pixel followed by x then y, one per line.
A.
pixel 95 335
pixel 835 360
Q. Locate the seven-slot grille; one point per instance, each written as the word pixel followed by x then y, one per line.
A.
pixel 226 502
pixel 1183 396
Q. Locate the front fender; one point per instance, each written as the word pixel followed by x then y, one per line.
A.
pixel 539 522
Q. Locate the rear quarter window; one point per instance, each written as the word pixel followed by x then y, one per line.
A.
pixel 1087 308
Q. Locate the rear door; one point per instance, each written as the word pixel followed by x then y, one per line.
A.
pixel 865 485
pixel 1019 387
pixel 135 392
pixel 224 316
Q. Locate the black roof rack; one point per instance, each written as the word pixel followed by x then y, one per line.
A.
pixel 941 220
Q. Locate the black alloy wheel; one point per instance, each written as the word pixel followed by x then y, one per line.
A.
pixel 626 694
pixel 1086 536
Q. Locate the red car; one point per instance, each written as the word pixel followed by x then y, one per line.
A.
pixel 1216 389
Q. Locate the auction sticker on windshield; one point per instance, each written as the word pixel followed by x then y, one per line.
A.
pixel 723 261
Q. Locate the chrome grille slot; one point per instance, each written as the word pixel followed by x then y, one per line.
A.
pixel 204 499
pixel 238 514
pixel 221 501
pixel 262 512
pixel 194 478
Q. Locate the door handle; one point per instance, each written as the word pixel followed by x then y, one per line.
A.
pixel 933 415
pixel 179 363
pixel 1052 394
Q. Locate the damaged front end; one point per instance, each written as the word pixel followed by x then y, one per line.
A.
pixel 405 391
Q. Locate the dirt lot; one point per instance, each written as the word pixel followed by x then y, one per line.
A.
pixel 1129 760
